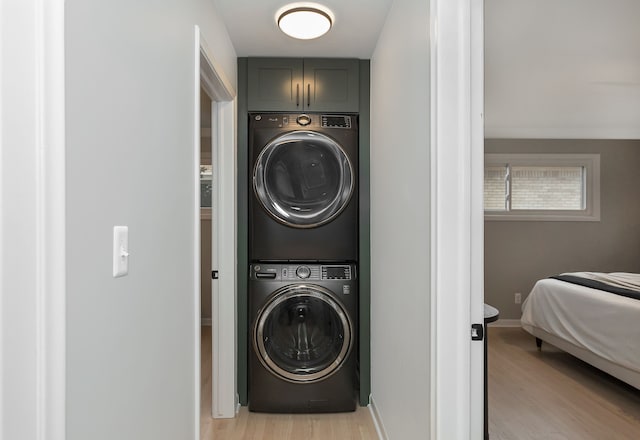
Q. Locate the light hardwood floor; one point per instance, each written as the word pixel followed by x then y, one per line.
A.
pixel 533 395
pixel 357 425
pixel 553 396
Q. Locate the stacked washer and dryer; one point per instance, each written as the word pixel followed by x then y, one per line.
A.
pixel 303 248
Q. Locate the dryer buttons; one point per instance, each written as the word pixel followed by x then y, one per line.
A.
pixel 303 120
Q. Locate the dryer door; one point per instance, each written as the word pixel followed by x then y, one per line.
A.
pixel 302 334
pixel 303 179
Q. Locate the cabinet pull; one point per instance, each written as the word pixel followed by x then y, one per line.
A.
pixel 298 95
pixel 309 95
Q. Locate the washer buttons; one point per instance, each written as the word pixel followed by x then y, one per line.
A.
pixel 303 272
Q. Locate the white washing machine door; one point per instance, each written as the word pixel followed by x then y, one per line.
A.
pixel 303 179
pixel 302 334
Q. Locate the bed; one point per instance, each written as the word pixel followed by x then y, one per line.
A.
pixel 593 316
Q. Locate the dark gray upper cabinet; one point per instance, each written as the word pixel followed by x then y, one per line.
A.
pixel 310 84
pixel 275 84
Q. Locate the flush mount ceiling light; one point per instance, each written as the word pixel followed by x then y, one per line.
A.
pixel 304 21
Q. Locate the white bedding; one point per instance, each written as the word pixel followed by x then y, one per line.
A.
pixel 603 323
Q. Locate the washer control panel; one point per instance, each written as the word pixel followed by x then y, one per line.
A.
pixel 302 272
pixel 336 272
pixel 336 121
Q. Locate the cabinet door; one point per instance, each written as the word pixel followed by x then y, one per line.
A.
pixel 331 85
pixel 275 84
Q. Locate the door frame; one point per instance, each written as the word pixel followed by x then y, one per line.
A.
pixel 209 75
pixel 32 224
pixel 457 218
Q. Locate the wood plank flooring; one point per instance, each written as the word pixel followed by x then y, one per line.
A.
pixel 357 425
pixel 533 395
pixel 553 396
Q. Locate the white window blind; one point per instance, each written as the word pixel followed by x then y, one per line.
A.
pixel 542 187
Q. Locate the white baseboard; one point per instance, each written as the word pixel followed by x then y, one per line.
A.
pixel 377 421
pixel 205 321
pixel 505 323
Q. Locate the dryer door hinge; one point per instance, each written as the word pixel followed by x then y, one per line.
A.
pixel 477 332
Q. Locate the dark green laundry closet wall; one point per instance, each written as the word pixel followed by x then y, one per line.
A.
pixel 256 94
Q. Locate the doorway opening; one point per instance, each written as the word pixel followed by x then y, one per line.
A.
pixel 214 257
pixel 547 133
pixel 208 256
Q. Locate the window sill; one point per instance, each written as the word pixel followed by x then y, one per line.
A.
pixel 543 217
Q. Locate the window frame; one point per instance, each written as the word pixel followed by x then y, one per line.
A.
pixel 591 163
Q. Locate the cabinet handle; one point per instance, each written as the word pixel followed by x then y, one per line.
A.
pixel 309 95
pixel 298 95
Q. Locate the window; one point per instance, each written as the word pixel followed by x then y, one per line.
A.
pixel 552 187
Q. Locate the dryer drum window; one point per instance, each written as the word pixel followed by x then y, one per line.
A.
pixel 303 179
pixel 302 334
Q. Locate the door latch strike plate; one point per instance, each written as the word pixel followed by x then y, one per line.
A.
pixel 214 274
pixel 477 332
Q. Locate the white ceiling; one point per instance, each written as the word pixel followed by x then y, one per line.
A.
pixel 253 30
pixel 553 68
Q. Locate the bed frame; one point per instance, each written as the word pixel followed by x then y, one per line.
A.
pixel 624 374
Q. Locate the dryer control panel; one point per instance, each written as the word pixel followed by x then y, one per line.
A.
pixel 303 121
pixel 302 272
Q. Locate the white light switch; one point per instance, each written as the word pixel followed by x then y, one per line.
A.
pixel 120 251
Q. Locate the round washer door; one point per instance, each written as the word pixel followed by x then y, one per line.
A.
pixel 302 334
pixel 303 179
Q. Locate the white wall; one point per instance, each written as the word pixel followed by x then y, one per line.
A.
pixel 567 69
pixel 129 119
pixel 400 225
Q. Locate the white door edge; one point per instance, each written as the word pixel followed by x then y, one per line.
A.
pixel 210 76
pixel 32 225
pixel 456 219
pixel 477 212
pixel 224 316
pixel 52 224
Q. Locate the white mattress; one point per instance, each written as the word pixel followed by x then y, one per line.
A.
pixel 603 323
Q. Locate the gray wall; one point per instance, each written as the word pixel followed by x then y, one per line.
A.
pixel 517 253
pixel 131 371
pixel 562 69
pixel 400 218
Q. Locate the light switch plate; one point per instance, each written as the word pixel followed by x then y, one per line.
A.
pixel 120 251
